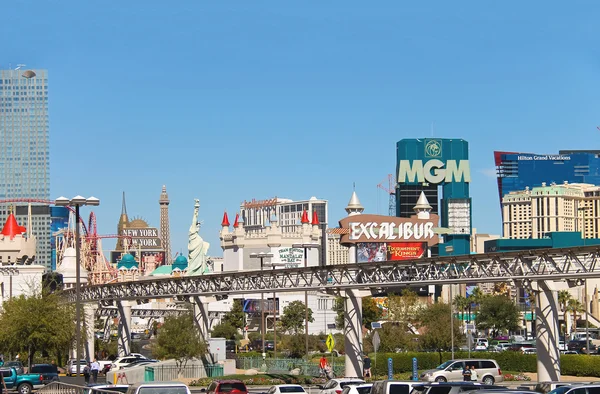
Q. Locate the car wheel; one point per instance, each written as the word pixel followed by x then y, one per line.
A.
pixel 24 388
pixel 488 380
pixel 440 379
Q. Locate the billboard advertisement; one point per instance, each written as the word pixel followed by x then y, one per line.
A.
pixel 291 257
pixel 368 252
pixel 116 256
pixel 253 306
pixel 155 257
pixel 369 228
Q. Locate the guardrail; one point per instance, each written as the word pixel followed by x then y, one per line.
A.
pixel 66 388
pixel 161 373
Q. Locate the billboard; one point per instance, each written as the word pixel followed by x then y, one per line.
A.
pixel 253 306
pixel 291 257
pixel 378 228
pixel 153 257
pixel 117 255
pixel 144 238
pixel 368 252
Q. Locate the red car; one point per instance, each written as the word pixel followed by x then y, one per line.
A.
pixel 231 386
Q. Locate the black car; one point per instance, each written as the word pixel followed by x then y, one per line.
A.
pixel 49 372
pixel 579 345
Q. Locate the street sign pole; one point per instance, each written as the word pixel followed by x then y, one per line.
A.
pixel 376 342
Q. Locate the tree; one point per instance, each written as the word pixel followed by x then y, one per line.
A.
pixel 37 322
pixel 338 308
pixel 179 339
pixel 498 313
pixel 435 321
pixel 370 311
pixel 224 330
pixel 403 308
pixel 236 316
pixel 461 303
pixel 563 299
pixel 394 336
pixel 476 297
pixel 575 307
pixel 292 319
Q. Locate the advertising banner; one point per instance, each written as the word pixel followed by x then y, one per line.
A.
pixel 145 238
pixel 156 257
pixel 367 252
pixel 288 257
pixel 406 250
pixel 116 256
pixel 377 228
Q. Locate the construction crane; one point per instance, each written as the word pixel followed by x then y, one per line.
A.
pixel 389 185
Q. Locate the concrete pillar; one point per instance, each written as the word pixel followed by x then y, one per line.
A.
pixel 201 315
pixel 89 315
pixel 546 311
pixel 353 343
pixel 123 344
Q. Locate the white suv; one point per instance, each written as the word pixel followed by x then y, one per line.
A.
pixel 124 361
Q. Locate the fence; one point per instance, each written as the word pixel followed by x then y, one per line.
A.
pixel 284 365
pixel 161 373
pixel 65 388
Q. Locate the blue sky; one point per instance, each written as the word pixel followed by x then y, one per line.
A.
pixel 227 101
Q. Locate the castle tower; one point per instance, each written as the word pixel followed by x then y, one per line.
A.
pixel 123 221
pixel 165 234
pixel 422 209
pixel 354 206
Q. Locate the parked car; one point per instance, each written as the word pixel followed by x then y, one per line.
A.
pixel 16 365
pixel 359 389
pixel 451 388
pixel 583 389
pixel 579 345
pixel 226 386
pixel 71 368
pixel 392 387
pixel 140 362
pixel 49 372
pixel 286 388
pixel 121 388
pixel 519 346
pixel 122 362
pixel 336 386
pixel 23 383
pixel 451 371
pixel 530 350
pixel 158 387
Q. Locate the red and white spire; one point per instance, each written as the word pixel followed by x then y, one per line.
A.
pixel 304 219
pixel 12 228
pixel 225 222
pixel 315 219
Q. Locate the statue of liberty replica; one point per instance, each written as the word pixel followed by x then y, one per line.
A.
pixel 197 248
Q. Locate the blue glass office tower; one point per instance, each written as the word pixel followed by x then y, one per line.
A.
pixel 516 171
pixel 25 152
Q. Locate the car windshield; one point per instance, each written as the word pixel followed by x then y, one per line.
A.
pixel 227 387
pixel 163 390
pixel 95 390
pixel 363 390
pixel 291 389
pixel 444 365
pixel 356 383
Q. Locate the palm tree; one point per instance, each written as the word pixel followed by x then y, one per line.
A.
pixel 476 296
pixel 461 303
pixel 564 297
pixel 575 307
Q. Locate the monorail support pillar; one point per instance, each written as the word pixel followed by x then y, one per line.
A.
pixel 546 311
pixel 89 311
pixel 201 315
pixel 353 341
pixel 124 340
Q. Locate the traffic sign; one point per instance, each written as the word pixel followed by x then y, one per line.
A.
pixel 330 342
pixel 376 341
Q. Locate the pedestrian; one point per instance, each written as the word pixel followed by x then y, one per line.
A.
pixel 322 365
pixel 473 374
pixel 95 368
pixel 467 374
pixel 329 372
pixel 367 367
pixel 86 374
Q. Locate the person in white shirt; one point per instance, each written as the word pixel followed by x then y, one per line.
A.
pixel 473 374
pixel 95 369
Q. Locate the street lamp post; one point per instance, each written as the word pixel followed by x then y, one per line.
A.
pixel 262 256
pixel 77 202
pixel 306 247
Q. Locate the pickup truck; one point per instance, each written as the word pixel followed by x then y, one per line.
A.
pixel 23 383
